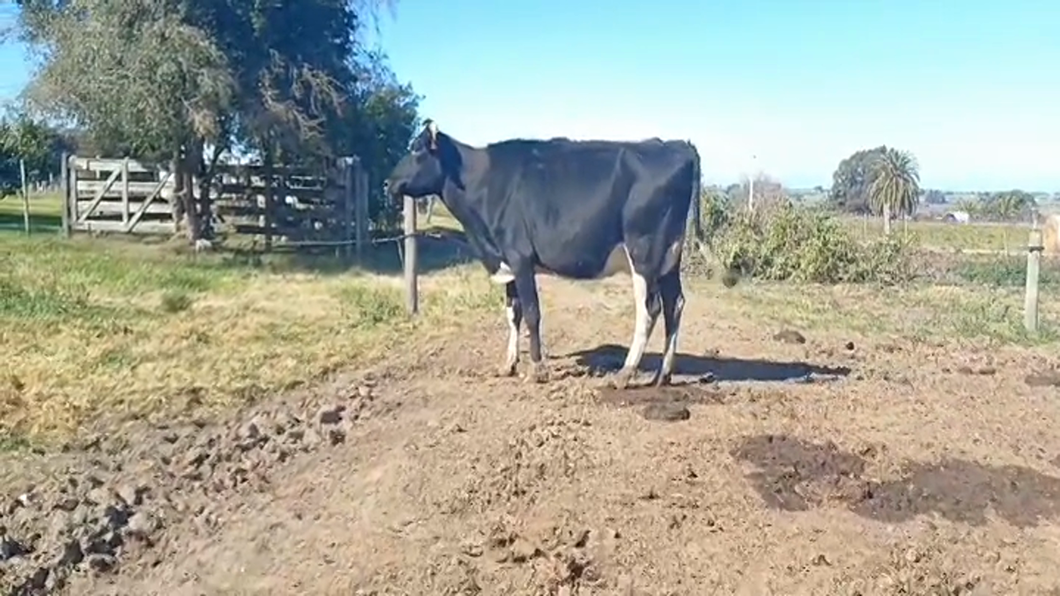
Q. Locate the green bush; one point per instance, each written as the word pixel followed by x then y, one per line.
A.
pixel 784 242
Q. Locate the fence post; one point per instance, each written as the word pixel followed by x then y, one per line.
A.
pixel 345 165
pixel 125 192
pixel 25 194
pixel 270 191
pixel 1034 261
pixel 66 189
pixel 361 208
pixel 412 298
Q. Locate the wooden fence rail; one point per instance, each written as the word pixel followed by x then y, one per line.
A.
pixel 281 203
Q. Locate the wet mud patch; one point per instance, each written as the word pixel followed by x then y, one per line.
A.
pixel 687 394
pixel 797 475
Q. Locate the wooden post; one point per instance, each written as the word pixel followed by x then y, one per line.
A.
pixel 25 194
pixel 360 219
pixel 1034 261
pixel 412 299
pixel 125 192
pixel 65 173
pixel 345 165
pixel 267 210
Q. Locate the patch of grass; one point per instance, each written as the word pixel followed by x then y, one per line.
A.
pixel 114 327
pixel 1008 271
pixel 44 214
pixel 941 235
pixel 975 314
pixel 369 306
pixel 174 302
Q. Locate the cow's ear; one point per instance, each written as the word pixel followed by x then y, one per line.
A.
pixel 432 132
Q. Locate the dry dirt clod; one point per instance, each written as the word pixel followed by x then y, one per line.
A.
pixel 666 412
pixel 331 414
pixel 142 524
pixel 336 436
pixel 101 563
pixel 1043 379
pixel 789 336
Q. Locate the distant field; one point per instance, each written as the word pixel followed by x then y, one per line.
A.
pixel 935 234
pixel 44 214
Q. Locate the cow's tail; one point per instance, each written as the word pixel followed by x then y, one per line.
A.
pixel 696 204
pixel 732 273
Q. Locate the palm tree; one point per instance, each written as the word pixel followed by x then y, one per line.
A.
pixel 895 184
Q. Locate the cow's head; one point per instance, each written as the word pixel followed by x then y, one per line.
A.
pixel 424 170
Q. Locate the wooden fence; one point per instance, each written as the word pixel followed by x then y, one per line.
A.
pixel 280 204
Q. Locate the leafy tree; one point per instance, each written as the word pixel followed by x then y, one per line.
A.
pixel 934 197
pixel 1011 205
pixel 168 79
pixel 895 184
pixel 28 140
pixel 851 181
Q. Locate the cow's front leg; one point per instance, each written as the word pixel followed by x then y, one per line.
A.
pixel 526 288
pixel 648 306
pixel 513 310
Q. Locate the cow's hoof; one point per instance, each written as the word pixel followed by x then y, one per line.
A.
pixel 661 380
pixel 506 370
pixel 622 378
pixel 537 374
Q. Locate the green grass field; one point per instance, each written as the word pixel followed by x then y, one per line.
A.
pixel 44 210
pixel 946 236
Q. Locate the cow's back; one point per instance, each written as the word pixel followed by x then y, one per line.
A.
pixel 574 202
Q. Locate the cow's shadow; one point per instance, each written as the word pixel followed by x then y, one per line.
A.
pixel 608 358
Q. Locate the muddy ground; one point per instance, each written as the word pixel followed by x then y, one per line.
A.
pixel 789 463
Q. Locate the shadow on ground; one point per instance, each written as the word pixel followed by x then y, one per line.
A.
pixel 609 358
pixel 797 475
pixel 437 249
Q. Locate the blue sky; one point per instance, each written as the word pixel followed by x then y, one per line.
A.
pixel 970 87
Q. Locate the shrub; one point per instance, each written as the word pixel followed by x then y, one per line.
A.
pixel 785 242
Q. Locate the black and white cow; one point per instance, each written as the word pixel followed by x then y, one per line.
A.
pixel 576 209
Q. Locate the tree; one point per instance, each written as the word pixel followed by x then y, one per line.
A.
pixel 1010 205
pixel 29 141
pixel 170 79
pixel 851 181
pixel 934 197
pixel 895 184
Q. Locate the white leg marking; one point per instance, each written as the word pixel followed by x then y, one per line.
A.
pixel 513 338
pixel 641 326
pixel 644 322
pixel 503 274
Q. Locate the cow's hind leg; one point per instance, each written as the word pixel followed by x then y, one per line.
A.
pixel 673 302
pixel 647 304
pixel 513 310
pixel 526 288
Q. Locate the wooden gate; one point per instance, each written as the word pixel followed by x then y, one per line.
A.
pixel 117 195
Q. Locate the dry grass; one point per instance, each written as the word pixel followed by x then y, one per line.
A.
pixel 114 327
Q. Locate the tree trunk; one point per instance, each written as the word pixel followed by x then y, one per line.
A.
pixel 176 200
pixel 186 181
pixel 886 219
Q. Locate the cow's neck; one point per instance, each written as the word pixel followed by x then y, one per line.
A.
pixel 461 197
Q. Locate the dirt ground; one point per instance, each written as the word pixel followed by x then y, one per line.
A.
pixel 788 463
